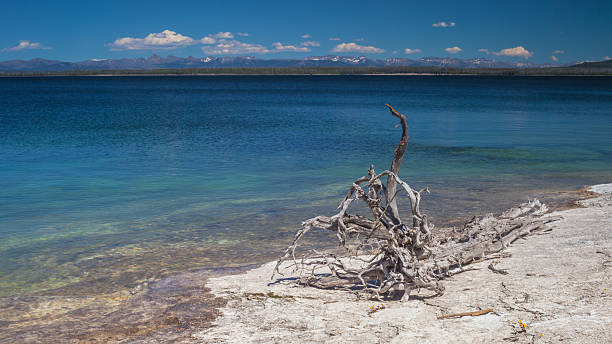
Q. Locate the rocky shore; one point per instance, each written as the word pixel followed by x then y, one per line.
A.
pixel 550 288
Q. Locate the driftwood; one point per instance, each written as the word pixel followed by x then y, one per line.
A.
pixel 466 314
pixel 387 255
pixel 496 270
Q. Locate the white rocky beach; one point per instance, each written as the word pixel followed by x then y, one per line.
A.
pixel 549 288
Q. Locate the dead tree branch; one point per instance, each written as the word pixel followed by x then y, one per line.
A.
pixel 467 314
pixel 404 253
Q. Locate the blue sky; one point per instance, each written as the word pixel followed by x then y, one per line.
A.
pixel 534 31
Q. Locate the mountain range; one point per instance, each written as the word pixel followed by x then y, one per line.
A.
pixel 157 62
pixel 605 64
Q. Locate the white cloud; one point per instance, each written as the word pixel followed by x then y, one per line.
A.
pixel 354 47
pixel 394 52
pixel 223 35
pixel 208 40
pixel 235 48
pixel 453 50
pixel 334 39
pixel 311 44
pixel 607 58
pixel 26 45
pixel 219 36
pixel 515 52
pixel 163 40
pixel 302 47
pixel 554 58
pixel 411 51
pixel 305 36
pixel 167 38
pixel 213 44
pixel 358 39
pixel 127 43
pixel 443 24
pixel 558 52
pixel 280 47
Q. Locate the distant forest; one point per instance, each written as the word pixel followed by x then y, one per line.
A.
pixel 589 68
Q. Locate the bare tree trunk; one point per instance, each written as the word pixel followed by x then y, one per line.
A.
pixel 396 164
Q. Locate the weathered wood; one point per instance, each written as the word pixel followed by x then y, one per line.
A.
pixel 467 314
pixel 403 255
pixel 396 164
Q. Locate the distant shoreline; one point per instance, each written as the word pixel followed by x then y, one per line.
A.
pixel 298 74
pixel 325 71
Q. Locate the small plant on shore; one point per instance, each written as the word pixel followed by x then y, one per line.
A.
pixel 374 309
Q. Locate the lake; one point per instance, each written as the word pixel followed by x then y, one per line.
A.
pixel 110 181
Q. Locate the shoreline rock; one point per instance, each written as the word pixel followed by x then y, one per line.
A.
pixel 555 289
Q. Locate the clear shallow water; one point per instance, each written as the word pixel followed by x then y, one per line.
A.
pixel 107 181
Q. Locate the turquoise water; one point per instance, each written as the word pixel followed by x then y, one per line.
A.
pixel 108 181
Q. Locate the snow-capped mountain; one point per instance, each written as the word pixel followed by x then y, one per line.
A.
pixel 157 62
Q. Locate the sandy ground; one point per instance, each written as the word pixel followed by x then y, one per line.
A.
pixel 558 286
